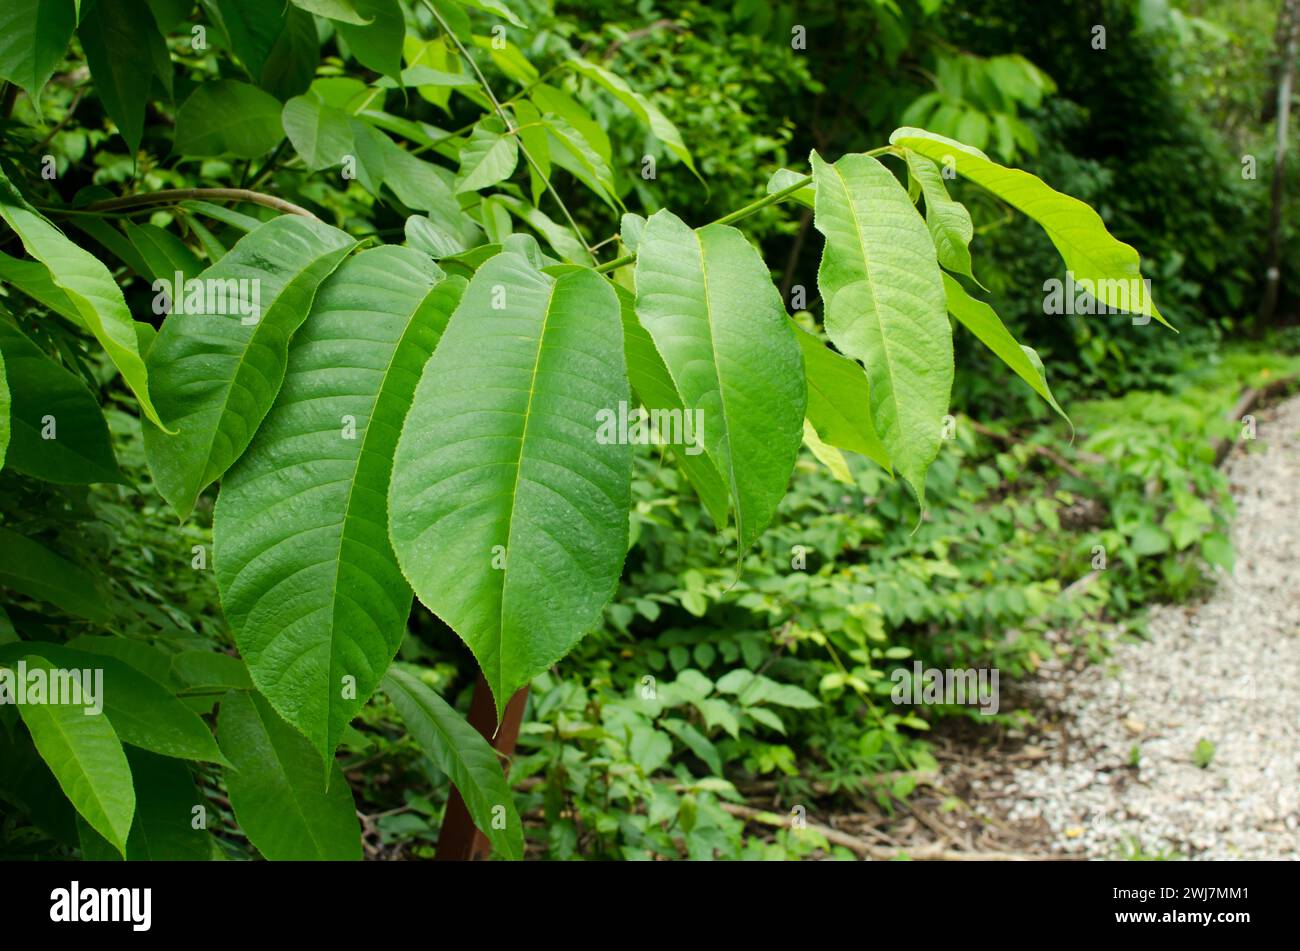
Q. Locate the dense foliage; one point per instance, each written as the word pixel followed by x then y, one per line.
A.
pixel 309 310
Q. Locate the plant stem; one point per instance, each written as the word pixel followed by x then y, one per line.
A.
pixel 175 195
pixel 746 210
pixel 496 103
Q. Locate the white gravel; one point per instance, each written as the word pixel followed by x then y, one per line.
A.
pixel 1226 671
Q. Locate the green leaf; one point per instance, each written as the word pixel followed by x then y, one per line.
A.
pixel 217 374
pixel 308 581
pixel 34 279
pixel 88 286
pixel 706 299
pixel 143 712
pixel 253 26
pixel 291 64
pixel 378 44
pixel 839 400
pixel 163 253
pixel 548 99
pixel 86 758
pixel 345 11
pixel 6 405
pixel 227 117
pixel 499 462
pixel 982 320
pixel 562 239
pixel 275 787
pixel 58 432
pixel 320 134
pixel 884 302
pixel 571 152
pixel 29 567
pixel 442 238
pixel 489 157
pixel 208 670
pixel 640 106
pixel 654 387
pixel 1090 252
pixel 34 37
pixel 536 142
pixel 461 752
pixel 163 828
pixel 949 221
pixel 122 46
pixel 784 178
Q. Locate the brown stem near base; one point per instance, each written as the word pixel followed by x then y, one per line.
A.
pixel 459 839
pixel 171 196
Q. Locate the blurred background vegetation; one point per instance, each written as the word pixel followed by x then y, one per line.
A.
pixel 774 673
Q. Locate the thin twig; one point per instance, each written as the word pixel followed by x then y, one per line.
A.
pixel 500 110
pixel 171 196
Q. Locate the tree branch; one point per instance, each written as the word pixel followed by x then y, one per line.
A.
pixel 171 196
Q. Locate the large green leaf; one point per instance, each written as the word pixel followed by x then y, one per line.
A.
pixel 308 580
pixel 143 712
pixel 982 320
pixel 344 11
pixel 1088 249
pixel 123 50
pixel 86 758
pixel 654 387
pixel 253 27
pixel 29 567
pixel 839 400
pixel 162 253
pixel 87 284
pixel 227 117
pixel 276 790
pixel 34 37
pixel 218 375
pixel 58 431
pixel 499 465
pixel 706 299
pixel 461 752
pixel 884 305
pixel 163 829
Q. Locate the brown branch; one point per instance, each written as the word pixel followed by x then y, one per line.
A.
pixel 1047 453
pixel 171 196
pixel 1222 445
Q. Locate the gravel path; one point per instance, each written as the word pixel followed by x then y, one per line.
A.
pixel 1123 774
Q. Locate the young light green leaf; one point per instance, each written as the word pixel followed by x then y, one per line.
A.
pixel 784 178
pixel 34 37
pixel 217 364
pixel 982 320
pixel 58 431
pixel 87 284
pixel 654 387
pixel 276 790
pixel 499 460
pixel 489 157
pixel 879 278
pixel 827 455
pixel 308 581
pixel 706 299
pixel 30 568
pixel 227 117
pixel 1089 251
pixel 949 221
pixel 86 758
pixel 460 751
pixel 839 400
